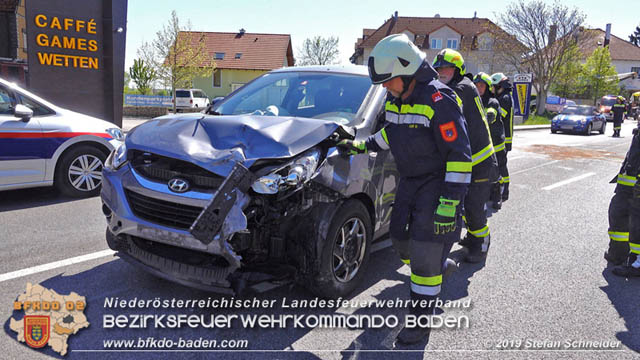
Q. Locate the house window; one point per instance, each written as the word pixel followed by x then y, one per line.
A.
pixel 485 43
pixel 452 43
pixel 238 55
pixel 436 43
pixel 219 56
pixel 217 78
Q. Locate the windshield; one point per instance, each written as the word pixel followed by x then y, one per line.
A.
pixel 326 96
pixel 578 110
pixel 608 101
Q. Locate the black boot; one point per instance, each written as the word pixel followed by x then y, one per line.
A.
pixel 478 251
pixel 617 252
pixel 417 334
pixel 626 271
pixel 614 260
pixel 450 266
pixel 466 241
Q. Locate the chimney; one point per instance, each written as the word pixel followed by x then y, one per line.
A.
pixel 475 14
pixel 242 31
pixel 607 35
pixel 395 15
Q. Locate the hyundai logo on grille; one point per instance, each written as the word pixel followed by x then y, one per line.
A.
pixel 178 185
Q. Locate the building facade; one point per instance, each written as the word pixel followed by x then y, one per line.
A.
pixel 13 41
pixel 473 37
pixel 241 57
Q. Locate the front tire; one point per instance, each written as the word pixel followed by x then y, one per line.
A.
pixel 603 127
pixel 345 253
pixel 79 172
pixel 589 129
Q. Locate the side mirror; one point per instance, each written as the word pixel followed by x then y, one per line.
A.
pixel 23 112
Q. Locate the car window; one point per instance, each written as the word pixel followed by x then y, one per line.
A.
pixel 578 110
pixel 38 109
pixel 7 101
pixel 608 101
pixel 319 95
pixel 183 94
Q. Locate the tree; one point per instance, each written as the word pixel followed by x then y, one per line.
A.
pixel 319 51
pixel 143 75
pixel 634 38
pixel 547 32
pixel 600 74
pixel 570 80
pixel 178 55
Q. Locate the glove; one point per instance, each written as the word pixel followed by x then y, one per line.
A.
pixel 351 147
pixel 445 218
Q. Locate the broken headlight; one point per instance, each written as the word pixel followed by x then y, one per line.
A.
pixel 294 173
pixel 117 158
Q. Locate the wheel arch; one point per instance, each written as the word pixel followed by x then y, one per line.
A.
pixel 97 143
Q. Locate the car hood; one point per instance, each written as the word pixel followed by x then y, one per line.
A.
pixel 216 143
pixel 570 118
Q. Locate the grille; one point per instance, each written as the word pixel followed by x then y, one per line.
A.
pixel 162 212
pixel 160 168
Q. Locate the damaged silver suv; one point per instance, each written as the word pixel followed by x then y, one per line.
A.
pixel 255 189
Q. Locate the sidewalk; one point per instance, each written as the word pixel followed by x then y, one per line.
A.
pixel 130 123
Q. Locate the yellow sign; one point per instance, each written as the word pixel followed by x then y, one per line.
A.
pixel 76 29
pixel 522 96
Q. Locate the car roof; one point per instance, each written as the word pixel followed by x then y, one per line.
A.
pixel 338 69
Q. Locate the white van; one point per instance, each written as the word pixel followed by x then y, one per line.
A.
pixel 191 98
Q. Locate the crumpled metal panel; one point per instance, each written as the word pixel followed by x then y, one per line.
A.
pixel 215 143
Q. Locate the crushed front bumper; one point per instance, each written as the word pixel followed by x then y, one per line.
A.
pixel 138 212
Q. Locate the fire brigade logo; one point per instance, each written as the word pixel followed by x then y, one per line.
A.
pixel 36 330
pixel 437 96
pixel 449 132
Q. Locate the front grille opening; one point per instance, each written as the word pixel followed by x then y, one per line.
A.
pixel 181 255
pixel 161 212
pixel 162 169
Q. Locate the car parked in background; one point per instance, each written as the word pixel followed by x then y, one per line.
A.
pixel 42 144
pixel 257 185
pixel 605 104
pixel 190 99
pixel 579 119
pixel 555 103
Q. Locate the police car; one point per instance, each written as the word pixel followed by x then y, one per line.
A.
pixel 42 144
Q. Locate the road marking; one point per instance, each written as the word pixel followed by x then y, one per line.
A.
pixel 568 181
pixel 535 167
pixel 55 264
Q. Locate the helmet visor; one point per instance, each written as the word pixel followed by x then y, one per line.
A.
pixel 375 77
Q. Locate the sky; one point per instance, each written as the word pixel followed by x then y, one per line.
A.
pixel 345 19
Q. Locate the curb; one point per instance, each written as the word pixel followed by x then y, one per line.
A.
pixel 531 127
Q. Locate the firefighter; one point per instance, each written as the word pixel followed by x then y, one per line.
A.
pixel 426 133
pixel 631 208
pixel 618 110
pixel 502 89
pixel 496 127
pixel 451 69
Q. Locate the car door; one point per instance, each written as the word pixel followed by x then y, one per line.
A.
pixel 21 159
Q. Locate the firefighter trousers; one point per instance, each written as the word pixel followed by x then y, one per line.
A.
pixel 475 213
pixel 619 224
pixel 634 229
pixel 412 233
